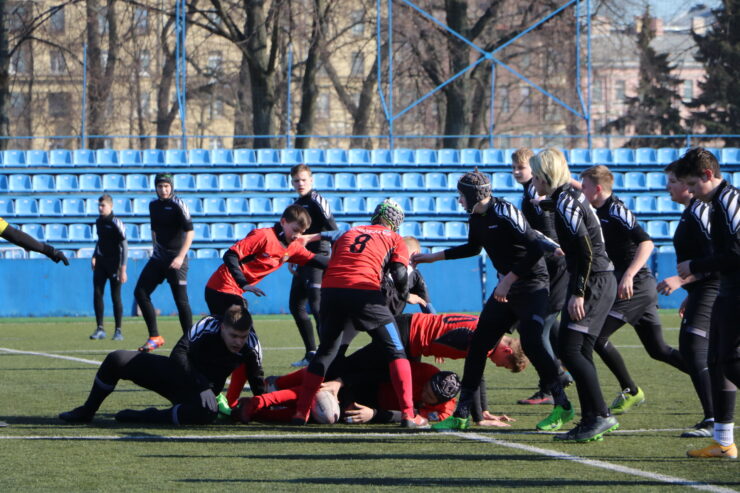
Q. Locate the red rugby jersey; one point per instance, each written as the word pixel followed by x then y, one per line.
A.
pixel 260 253
pixel 446 335
pixel 420 375
pixel 359 257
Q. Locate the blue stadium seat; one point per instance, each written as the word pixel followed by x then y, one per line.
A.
pixel 19 183
pixel 433 230
pixel 369 182
pixel 236 206
pixel 658 230
pixel 426 157
pixel 410 228
pixel 635 180
pixel 43 183
pixel 206 182
pixel 424 204
pixel 448 157
pixel 37 158
pixel 202 232
pixel 103 157
pixel 229 182
pixel 139 253
pixel 666 155
pixel 132 232
pixel 730 155
pixel 378 157
pixel 137 182
pixel 353 205
pixel 206 253
pixel 140 206
pixel 80 232
pixel 513 198
pixel 645 204
pixel 618 180
pixel 265 224
pixel 645 155
pixel 323 181
pixel 602 156
pixel 291 157
pixel 90 183
pixel 3 183
pixel 244 157
pixel 667 206
pixel 13 253
pixel 717 152
pixel 153 157
pixel 253 181
pixel 355 157
pixel 14 159
pixel 91 207
pixel 184 182
pixel 314 157
pixel 145 232
pixel 85 252
pixel 195 205
pixel 335 204
pixel 667 249
pixel 470 157
pixel 337 157
pixel 173 157
pixel 130 157
pixel 404 202
pixel 579 157
pixel 122 206
pixel 624 156
pixel 629 201
pixel 656 180
pixel 403 157
pixel 504 181
pixel 447 204
pixel 456 230
pixel 267 157
pixel 7 207
pixel 114 183
pixel 199 157
pixel 342 226
pixel 214 206
pixel 345 181
pixel 50 207
pixel 222 232
pixel 672 225
pixel 494 157
pixel 390 181
pixel 60 157
pixel 73 207
pixel 735 179
pixel 222 157
pixel 241 230
pixel 276 182
pixel 372 202
pixel 67 183
pixel 436 181
pixel 56 232
pixel 452 179
pixel 260 205
pixel 35 230
pixel 413 181
pixel 279 204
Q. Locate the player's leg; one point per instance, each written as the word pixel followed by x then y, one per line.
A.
pixel 151 276
pixel 693 342
pixel 115 295
pixel 297 303
pixel 219 302
pixel 178 281
pixel 649 329
pixel 631 395
pixel 99 279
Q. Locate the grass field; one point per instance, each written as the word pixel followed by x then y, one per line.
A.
pixel 40 453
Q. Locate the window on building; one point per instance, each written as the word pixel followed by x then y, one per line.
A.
pixel 145 102
pixel 597 91
pixel 103 21
pixel 217 107
pixel 145 60
pixel 323 109
pixel 620 92
pixel 215 62
pixel 526 94
pixel 141 20
pixel 56 22
pixel 18 104
pixel 504 98
pixel 20 62
pixel 59 104
pixel 19 14
pixel 357 26
pixel 358 64
pixel 57 61
pixel 688 90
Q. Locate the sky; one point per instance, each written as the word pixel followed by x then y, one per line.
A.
pixel 666 9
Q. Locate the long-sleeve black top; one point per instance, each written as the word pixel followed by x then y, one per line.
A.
pixel 170 220
pixel 322 219
pixel 692 239
pixel 622 234
pixel 112 245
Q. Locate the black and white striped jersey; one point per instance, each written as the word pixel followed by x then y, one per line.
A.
pixel 622 233
pixel 538 218
pixel 692 238
pixel 112 246
pixel 322 219
pixel 580 237
pixel 206 361
pixel 170 220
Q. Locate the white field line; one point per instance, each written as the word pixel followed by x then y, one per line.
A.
pixel 50 355
pixel 108 350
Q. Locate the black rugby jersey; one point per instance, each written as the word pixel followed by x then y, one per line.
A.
pixel 416 285
pixel 538 218
pixel 580 237
pixel 692 239
pixel 170 219
pixel 622 234
pixel 206 361
pixel 725 233
pixel 112 246
pixel 510 242
pixel 322 219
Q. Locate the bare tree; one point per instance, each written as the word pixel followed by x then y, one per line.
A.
pixel 100 71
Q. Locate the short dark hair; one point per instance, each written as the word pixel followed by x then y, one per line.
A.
pixel 298 168
pixel 238 318
pixel 105 198
pixel 695 162
pixel 297 214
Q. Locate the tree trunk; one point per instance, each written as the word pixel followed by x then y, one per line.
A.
pixel 241 108
pixel 4 77
pixel 309 91
pixel 261 73
pixel 457 114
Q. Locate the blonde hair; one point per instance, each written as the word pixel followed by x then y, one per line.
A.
pixel 412 243
pixel 551 167
pixel 518 359
pixel 522 155
pixel 600 175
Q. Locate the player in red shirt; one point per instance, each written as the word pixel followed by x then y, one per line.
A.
pixel 351 299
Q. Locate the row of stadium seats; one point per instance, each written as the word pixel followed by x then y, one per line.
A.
pixel 336 157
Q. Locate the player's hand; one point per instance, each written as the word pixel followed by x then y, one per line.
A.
pixel 625 290
pixel 415 299
pixel 497 421
pixel 682 308
pixel 439 360
pixel 669 285
pixel 208 400
pixel 92 262
pixel 683 269
pixel 559 252
pixel 292 268
pixel 332 386
pixel 575 308
pixel 502 290
pixel 177 263
pixel 255 290
pixel 422 258
pixel 56 255
pixel 357 413
pixel 122 276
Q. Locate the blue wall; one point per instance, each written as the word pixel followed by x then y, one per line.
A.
pixel 40 288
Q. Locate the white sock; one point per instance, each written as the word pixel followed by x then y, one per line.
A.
pixel 723 433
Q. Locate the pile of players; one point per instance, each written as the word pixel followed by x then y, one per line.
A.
pixel 574 249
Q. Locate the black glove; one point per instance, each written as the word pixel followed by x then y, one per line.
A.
pixel 208 400
pixel 54 254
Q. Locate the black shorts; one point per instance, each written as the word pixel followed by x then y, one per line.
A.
pixel 360 309
pixel 218 302
pixel 309 277
pixel 403 322
pixel 558 272
pixel 107 269
pixel 643 304
pixel 600 295
pixel 158 270
pixel 697 318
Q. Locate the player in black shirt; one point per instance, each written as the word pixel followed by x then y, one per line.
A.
pixel 699 169
pixel 172 235
pixel 109 265
pixel 692 240
pixel 629 248
pixel 306 285
pixel 418 293
pixel 521 294
pixel 190 378
pixel 591 289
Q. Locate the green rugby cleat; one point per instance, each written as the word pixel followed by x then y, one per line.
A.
pixel 223 405
pixel 626 401
pixel 557 418
pixel 453 423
